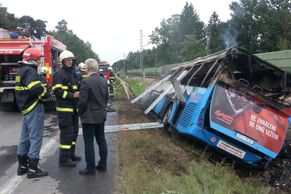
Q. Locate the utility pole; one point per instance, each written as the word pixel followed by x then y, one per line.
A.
pixel 141 53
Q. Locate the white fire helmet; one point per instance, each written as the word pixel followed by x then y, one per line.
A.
pixel 43 70
pixel 82 66
pixel 66 55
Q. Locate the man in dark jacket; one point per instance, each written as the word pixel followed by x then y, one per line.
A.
pixel 92 102
pixel 29 93
pixel 66 92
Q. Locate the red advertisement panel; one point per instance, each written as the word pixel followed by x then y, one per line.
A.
pixel 250 117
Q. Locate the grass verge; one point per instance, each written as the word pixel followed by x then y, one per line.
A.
pixel 136 86
pixel 152 162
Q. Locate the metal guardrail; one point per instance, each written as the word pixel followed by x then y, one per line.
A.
pixel 131 127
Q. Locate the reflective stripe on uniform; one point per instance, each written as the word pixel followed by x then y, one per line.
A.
pixel 75 87
pixel 60 86
pixel 59 109
pixel 62 146
pixel 73 142
pixel 30 108
pixel 17 78
pixel 57 86
pixel 21 88
pixel 65 94
pixel 44 92
pixel 34 83
pixel 85 76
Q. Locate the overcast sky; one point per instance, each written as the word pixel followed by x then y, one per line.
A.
pixel 113 27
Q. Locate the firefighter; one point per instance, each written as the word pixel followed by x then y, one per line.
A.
pixel 100 72
pixel 81 75
pixel 42 72
pixel 66 92
pixel 111 75
pixel 111 82
pixel 29 92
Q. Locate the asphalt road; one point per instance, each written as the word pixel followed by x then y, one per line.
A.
pixel 60 180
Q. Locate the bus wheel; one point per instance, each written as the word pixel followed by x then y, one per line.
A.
pixel 167 127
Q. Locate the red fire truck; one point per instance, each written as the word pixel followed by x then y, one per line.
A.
pixel 12 46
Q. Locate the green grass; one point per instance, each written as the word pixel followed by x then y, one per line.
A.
pixel 136 86
pixel 153 163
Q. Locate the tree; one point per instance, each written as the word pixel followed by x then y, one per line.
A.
pixel 192 39
pixel 192 48
pixel 177 35
pixel 118 65
pixel 36 28
pixel 256 25
pixel 190 23
pixel 261 25
pixel 214 34
pixel 166 38
pixel 62 26
pixel 282 9
pixel 167 33
pixel 82 50
pixel 7 20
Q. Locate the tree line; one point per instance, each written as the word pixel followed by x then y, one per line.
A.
pixel 256 25
pixel 37 28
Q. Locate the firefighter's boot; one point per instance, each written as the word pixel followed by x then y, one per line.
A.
pixel 74 157
pixel 22 165
pixel 33 170
pixel 65 159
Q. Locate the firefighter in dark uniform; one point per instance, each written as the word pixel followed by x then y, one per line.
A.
pixel 81 75
pixel 111 82
pixel 29 93
pixel 66 92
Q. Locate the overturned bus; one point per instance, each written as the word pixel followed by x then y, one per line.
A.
pixel 231 100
